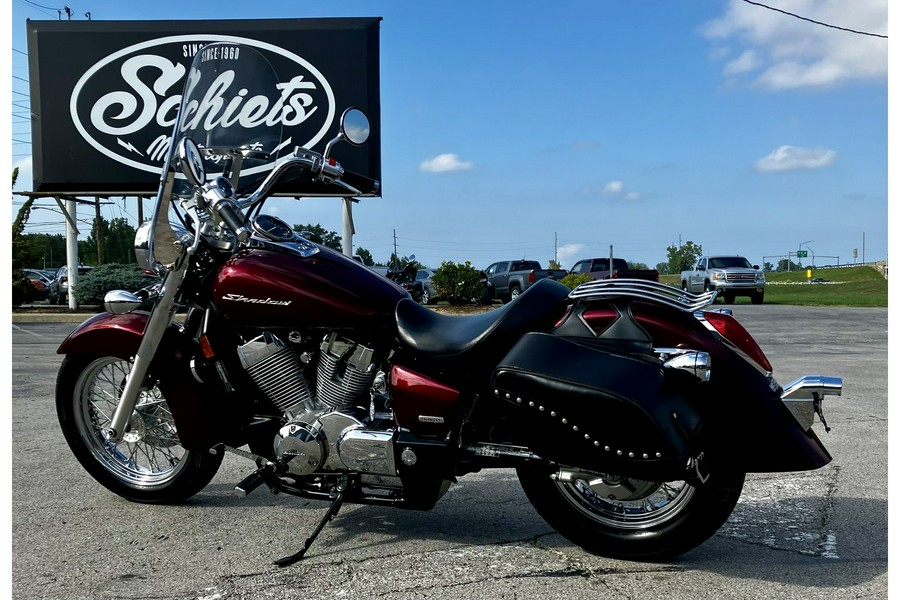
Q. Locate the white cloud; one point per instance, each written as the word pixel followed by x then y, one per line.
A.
pixel 613 187
pixel 788 53
pixel 747 61
pixel 791 158
pixel 568 253
pixel 445 163
pixel 632 196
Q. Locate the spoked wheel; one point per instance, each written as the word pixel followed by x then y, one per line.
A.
pixel 633 519
pixel 148 464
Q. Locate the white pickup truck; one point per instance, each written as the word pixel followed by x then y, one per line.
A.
pixel 731 276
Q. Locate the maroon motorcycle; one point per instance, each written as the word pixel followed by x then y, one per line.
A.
pixel 630 414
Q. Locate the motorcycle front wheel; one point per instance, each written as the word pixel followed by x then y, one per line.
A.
pixel 148 464
pixel 633 519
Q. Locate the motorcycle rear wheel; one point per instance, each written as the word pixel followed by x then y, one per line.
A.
pixel 633 519
pixel 148 464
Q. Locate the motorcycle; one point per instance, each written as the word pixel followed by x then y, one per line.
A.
pixel 630 410
pixel 406 278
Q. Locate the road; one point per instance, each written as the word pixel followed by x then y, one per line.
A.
pixel 819 534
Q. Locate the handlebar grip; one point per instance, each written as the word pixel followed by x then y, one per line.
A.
pixel 233 220
pixel 364 184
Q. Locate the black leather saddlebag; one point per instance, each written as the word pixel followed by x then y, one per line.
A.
pixel 585 406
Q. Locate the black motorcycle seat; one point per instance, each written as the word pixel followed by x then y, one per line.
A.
pixel 427 332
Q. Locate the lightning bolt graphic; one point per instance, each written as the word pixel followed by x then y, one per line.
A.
pixel 128 146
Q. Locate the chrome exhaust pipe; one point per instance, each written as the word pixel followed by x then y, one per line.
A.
pixel 803 397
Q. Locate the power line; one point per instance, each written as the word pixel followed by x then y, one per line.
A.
pixel 20 78
pixel 21 93
pixel 35 4
pixel 19 51
pixel 878 35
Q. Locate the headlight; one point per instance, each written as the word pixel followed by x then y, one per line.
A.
pixel 760 277
pixel 715 276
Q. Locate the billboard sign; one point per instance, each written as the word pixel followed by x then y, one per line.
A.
pixel 106 93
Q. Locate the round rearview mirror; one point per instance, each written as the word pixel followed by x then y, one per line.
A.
pixel 355 126
pixel 191 161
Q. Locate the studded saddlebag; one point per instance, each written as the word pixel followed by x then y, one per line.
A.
pixel 590 407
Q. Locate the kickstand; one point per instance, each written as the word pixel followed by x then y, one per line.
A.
pixel 332 513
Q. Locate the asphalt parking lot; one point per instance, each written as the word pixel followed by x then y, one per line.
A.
pixel 820 534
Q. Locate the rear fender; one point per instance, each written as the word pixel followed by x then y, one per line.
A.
pixel 120 336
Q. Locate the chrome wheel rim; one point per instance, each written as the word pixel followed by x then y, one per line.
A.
pixel 149 453
pixel 626 503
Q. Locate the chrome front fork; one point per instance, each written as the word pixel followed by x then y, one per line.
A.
pixel 161 316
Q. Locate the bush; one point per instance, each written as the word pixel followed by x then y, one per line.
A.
pixel 22 290
pixel 94 285
pixel 573 280
pixel 457 283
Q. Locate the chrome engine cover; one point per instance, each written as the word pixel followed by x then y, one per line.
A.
pixel 302 447
pixel 335 442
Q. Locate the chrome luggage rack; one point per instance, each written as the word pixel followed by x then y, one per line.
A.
pixel 640 289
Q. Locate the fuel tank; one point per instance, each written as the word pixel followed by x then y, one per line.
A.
pixel 275 287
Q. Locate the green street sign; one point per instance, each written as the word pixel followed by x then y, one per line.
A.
pixel 802 253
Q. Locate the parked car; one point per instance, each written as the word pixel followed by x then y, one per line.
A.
pixel 39 280
pixel 59 286
pixel 429 293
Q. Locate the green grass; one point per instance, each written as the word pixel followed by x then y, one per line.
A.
pixel 862 286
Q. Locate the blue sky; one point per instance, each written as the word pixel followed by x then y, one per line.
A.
pixel 514 129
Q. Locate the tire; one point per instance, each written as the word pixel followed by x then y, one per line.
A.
pixel 684 286
pixel 633 519
pixel 148 465
pixel 706 286
pixel 729 298
pixel 757 297
pixel 425 298
pixel 514 293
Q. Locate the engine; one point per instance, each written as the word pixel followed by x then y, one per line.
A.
pixel 331 421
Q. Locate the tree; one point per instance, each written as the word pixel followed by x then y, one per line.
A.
pixel 767 267
pixel 398 263
pixel 788 265
pixel 663 268
pixel 22 290
pixel 684 257
pixel 637 266
pixel 320 235
pixel 552 264
pixel 366 257
pixel 117 241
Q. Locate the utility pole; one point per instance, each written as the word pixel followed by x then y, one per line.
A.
pixel 98 230
pixel 556 247
pixel 394 266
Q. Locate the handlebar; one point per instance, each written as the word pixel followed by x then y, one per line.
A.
pixel 220 196
pixel 364 184
pixel 233 220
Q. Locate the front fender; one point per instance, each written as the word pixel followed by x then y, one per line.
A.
pixel 120 336
pixel 115 335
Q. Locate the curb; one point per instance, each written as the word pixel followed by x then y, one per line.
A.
pixel 50 317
